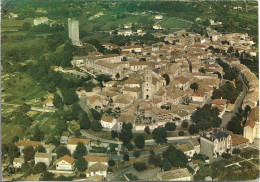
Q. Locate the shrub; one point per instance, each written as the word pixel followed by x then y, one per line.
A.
pixel 226 155
pixel 181 133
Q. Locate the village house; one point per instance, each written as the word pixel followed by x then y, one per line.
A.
pixel 158 17
pixel 91 159
pixel 181 174
pixel 221 104
pixel 65 163
pixel 187 149
pixel 110 46
pixel 18 162
pixel 45 158
pixel 97 169
pixel 138 65
pixel 25 143
pixel 182 83
pixel 214 143
pixel 157 27
pixel 133 92
pixel 135 48
pixel 132 83
pixel 108 122
pixel 196 145
pixel 199 96
pixel 128 32
pixel 48 103
pixel 39 21
pixel 48 148
pixel 64 137
pixel 94 102
pixel 251 128
pixel 73 142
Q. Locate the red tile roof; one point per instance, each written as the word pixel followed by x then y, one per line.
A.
pixel 26 143
pixel 75 141
pixel 66 158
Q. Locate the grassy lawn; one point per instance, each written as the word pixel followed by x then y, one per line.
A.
pixel 15 23
pixel 174 23
pixel 9 130
pixel 21 89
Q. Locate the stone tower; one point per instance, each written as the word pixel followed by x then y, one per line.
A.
pixel 147 88
pixel 73 26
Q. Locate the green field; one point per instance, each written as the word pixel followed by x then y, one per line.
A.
pixel 174 23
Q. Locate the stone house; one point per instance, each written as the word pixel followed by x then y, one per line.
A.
pixel 251 128
pixel 181 174
pixel 91 159
pixel 73 142
pixel 97 169
pixel 43 157
pixel 18 162
pixel 108 122
pixel 65 163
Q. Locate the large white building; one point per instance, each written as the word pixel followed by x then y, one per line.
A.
pixel 43 157
pixel 73 142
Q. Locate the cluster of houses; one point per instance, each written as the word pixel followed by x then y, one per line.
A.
pixel 143 93
pixel 97 165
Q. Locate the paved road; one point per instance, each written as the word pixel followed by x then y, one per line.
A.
pixel 227 116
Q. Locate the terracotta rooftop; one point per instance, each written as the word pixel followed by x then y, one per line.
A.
pixel 94 98
pixel 131 47
pixel 26 143
pixel 199 92
pixel 66 158
pixel 253 117
pixel 219 101
pixel 93 158
pixel 137 63
pixel 182 79
pixel 75 141
pixel 47 101
pixel 237 139
pixel 107 119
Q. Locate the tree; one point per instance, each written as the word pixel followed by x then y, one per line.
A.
pixel 202 70
pixel 147 130
pixel 69 96
pixel 169 126
pixel 165 165
pixel 236 151
pixel 114 134
pixel 124 59
pixel 157 160
pixel 96 126
pixel 62 151
pixel 96 115
pixel 26 26
pixel 126 134
pixel 81 164
pixel 193 129
pixel 194 86
pixel 216 121
pixel 24 108
pixel 111 162
pixel 28 153
pixel 235 125
pixel 177 158
pixel 140 141
pixel 84 121
pixel 139 166
pixel 57 101
pixel 185 124
pixel 159 135
pixel 130 146
pixel 80 151
pixel 47 176
pixel 217 94
pixel 117 76
pixel 38 135
pixel 40 148
pixel 39 168
pixel 226 155
pixel 167 78
pixel 137 153
pixel 126 157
